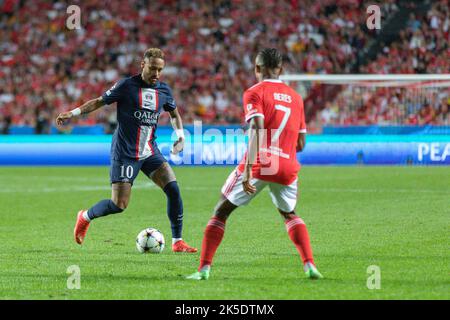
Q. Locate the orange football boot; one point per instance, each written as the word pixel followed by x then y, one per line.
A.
pixel 81 227
pixel 181 246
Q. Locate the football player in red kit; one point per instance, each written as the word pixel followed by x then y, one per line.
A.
pixel 277 132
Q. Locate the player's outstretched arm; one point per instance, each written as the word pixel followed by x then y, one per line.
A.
pixel 177 125
pixel 301 141
pixel 87 107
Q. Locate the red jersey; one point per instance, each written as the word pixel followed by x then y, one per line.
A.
pixel 284 118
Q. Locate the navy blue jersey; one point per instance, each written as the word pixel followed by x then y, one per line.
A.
pixel 139 105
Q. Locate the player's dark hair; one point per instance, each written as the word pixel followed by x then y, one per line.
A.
pixel 270 58
pixel 154 53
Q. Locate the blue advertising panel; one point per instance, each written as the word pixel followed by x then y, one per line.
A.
pixel 219 149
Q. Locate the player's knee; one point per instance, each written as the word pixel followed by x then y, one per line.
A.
pixel 221 212
pixel 163 176
pixel 222 215
pixel 287 215
pixel 118 206
pixel 223 209
pixel 122 206
pixel 172 190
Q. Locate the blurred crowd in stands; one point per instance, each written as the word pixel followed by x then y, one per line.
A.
pixel 45 68
pixel 368 105
pixel 422 48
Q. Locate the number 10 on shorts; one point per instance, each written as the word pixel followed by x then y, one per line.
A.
pixel 126 171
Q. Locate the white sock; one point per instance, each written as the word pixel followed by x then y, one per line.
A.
pixel 307 266
pixel 206 267
pixel 86 217
pixel 174 240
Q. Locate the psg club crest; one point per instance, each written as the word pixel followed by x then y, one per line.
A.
pixel 149 99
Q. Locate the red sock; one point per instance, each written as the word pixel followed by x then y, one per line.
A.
pixel 298 233
pixel 211 240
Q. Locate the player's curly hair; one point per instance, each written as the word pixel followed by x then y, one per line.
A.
pixel 270 58
pixel 154 53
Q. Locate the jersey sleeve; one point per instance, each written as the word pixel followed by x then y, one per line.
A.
pixel 115 93
pixel 302 128
pixel 253 106
pixel 170 104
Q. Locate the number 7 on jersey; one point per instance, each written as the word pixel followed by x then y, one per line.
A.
pixel 287 113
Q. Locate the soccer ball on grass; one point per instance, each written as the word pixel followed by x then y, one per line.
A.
pixel 150 240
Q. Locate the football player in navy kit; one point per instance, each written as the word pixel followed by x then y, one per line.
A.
pixel 140 100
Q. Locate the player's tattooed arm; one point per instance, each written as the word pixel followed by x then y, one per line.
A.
pixel 177 124
pixel 92 105
pixel 301 141
pixel 255 136
pixel 87 107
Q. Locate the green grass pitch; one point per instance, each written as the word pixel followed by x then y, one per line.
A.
pixel 396 218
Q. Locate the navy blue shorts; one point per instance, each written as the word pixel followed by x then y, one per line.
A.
pixel 128 169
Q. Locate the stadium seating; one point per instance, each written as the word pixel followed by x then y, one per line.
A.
pixel 422 48
pixel 46 68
